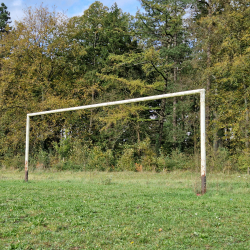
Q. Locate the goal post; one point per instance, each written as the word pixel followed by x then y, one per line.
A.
pixel 141 99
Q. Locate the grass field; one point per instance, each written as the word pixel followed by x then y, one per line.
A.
pixel 125 210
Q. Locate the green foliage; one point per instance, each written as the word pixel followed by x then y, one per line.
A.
pixel 43 159
pixel 222 41
pixel 139 157
pixel 68 166
pixel 178 160
pixel 146 155
pixel 244 162
pixel 80 150
pixel 126 161
pixel 49 61
pixel 219 160
pixel 63 148
pixel 13 162
pixel 32 76
pixel 4 18
pixel 99 159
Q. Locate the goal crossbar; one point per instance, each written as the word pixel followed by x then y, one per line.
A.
pixel 141 99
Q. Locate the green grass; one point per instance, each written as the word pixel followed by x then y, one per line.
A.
pixel 93 210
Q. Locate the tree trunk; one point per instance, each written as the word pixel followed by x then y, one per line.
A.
pixel 138 133
pixel 215 135
pixel 91 114
pixel 93 91
pixel 174 102
pixel 161 121
pixel 208 84
pixel 174 122
pixel 247 121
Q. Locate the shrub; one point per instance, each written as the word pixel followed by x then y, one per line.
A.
pixel 126 161
pixel 15 162
pixel 218 160
pixel 68 165
pixel 99 159
pixel 80 151
pixel 177 160
pixel 43 159
pixel 63 148
pixel 244 161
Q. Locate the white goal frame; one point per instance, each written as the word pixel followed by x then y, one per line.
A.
pixel 141 99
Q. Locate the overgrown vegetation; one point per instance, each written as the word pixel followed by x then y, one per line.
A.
pixel 128 210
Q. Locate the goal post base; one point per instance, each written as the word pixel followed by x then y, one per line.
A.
pixel 203 184
pixel 26 172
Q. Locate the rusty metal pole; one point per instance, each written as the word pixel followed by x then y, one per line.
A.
pixel 203 141
pixel 27 148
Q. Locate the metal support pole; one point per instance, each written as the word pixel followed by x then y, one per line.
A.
pixel 203 141
pixel 27 148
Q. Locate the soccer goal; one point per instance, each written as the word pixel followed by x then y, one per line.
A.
pixel 141 99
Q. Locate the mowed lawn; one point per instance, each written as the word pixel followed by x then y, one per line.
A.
pixel 125 210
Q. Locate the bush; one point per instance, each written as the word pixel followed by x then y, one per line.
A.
pixel 161 163
pixel 218 160
pixel 148 155
pixel 126 161
pixel 63 148
pixel 178 160
pixel 80 151
pixel 99 159
pixel 14 162
pixel 43 159
pixel 68 165
pixel 244 161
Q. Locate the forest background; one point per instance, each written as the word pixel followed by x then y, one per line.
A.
pixel 49 61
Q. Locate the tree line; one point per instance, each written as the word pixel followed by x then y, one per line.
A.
pixel 49 61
